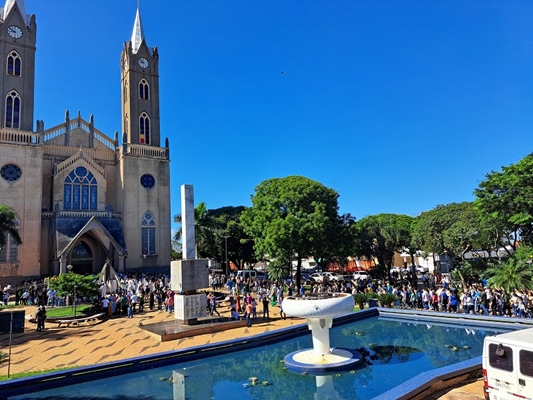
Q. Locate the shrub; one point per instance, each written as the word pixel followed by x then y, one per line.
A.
pixel 387 299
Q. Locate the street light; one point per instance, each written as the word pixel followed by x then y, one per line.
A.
pixel 74 301
pixel 70 267
pixel 226 253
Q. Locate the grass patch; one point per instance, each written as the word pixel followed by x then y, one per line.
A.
pixel 4 378
pixel 63 312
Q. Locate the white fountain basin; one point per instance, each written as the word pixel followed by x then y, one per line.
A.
pixel 317 307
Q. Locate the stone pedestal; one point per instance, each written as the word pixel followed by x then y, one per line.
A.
pixel 186 276
pixel 188 308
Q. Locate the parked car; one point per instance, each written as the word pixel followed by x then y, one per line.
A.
pixel 361 275
pixel 421 270
pixel 330 276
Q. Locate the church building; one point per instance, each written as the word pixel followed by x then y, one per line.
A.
pixel 81 196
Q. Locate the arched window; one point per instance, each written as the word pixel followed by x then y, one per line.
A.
pixel 148 228
pixel 144 128
pixel 144 89
pixel 12 119
pixel 14 64
pixel 80 190
pixel 10 252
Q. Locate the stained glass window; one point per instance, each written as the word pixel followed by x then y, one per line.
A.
pixel 10 251
pixel 144 128
pixel 147 181
pixel 12 116
pixel 144 89
pixel 80 190
pixel 14 64
pixel 11 172
pixel 148 230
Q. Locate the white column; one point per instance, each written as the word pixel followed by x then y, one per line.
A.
pixel 187 222
pixel 320 332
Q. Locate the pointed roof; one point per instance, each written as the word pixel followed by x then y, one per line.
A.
pixel 138 33
pixel 9 5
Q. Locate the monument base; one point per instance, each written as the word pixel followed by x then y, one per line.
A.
pixel 188 308
pixel 311 362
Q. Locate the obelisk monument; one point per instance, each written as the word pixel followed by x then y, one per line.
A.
pixel 189 274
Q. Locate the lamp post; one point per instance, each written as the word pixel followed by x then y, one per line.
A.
pixel 70 267
pixel 226 253
pixel 74 301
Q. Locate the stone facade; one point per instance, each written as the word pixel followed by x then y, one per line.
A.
pixel 81 196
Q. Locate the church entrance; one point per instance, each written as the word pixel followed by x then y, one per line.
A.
pixel 81 259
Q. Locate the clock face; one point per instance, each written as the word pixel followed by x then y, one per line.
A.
pixel 14 32
pixel 143 62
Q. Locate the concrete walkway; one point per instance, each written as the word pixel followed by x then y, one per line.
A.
pixel 119 338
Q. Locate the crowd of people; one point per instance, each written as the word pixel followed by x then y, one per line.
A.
pixel 131 293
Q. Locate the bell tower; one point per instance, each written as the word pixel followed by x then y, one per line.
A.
pixel 140 89
pixel 18 33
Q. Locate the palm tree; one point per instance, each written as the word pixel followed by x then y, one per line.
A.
pixel 203 230
pixel 511 274
pixel 8 226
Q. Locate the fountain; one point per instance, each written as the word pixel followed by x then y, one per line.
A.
pixel 319 309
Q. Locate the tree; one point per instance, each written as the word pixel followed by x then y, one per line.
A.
pixel 338 244
pixel 203 230
pixel 86 285
pixel 511 274
pixel 382 235
pixel 290 217
pixel 8 226
pixel 505 199
pixel 453 229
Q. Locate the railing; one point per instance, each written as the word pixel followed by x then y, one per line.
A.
pixel 62 151
pixel 78 122
pixel 69 162
pixel 15 136
pixel 81 214
pixel 53 133
pixel 144 151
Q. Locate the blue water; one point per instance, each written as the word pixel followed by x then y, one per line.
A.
pixel 397 351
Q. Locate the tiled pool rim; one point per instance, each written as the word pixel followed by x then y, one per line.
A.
pixel 407 390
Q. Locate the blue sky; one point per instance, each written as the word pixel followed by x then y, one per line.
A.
pixel 397 105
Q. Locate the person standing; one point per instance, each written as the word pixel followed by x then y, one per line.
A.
pixel 213 304
pixel 265 308
pixel 248 312
pixel 40 316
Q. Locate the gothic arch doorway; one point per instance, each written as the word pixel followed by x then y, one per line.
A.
pixel 82 258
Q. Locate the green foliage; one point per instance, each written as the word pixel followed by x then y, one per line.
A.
pixel 3 357
pixel 360 299
pixel 216 228
pixel 291 217
pixel 387 299
pixel 382 235
pixel 505 198
pixel 86 285
pixel 8 226
pixel 454 229
pixel 511 274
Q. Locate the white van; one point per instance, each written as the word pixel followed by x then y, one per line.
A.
pixel 244 274
pixel 508 365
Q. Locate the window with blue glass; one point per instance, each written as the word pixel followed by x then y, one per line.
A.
pixel 147 181
pixel 80 190
pixel 12 114
pixel 10 251
pixel 148 229
pixel 14 64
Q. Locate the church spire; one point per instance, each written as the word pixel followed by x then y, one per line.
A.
pixel 9 5
pixel 138 33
